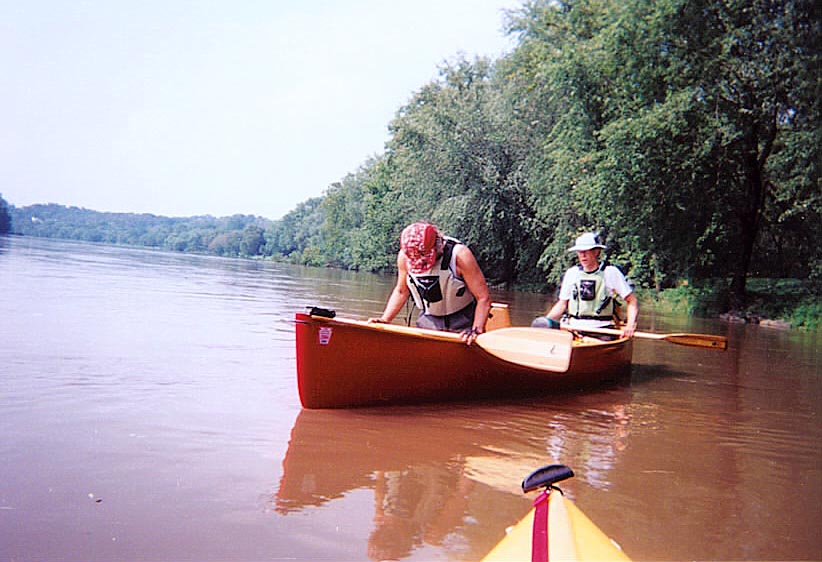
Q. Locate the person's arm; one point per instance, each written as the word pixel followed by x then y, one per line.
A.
pixel 558 310
pixel 398 296
pixel 469 270
pixel 625 291
pixel 633 312
pixel 561 306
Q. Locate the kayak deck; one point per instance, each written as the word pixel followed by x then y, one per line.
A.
pixel 572 536
pixel 561 532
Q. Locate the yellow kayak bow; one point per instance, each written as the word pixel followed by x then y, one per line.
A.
pixel 555 529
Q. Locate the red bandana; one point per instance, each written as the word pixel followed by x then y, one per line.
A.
pixel 419 242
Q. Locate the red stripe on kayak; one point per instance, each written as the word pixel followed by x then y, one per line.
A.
pixel 539 543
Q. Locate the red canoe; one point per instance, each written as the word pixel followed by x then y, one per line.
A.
pixel 343 363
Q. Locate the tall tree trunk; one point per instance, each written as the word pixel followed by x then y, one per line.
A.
pixel 750 210
pixel 510 263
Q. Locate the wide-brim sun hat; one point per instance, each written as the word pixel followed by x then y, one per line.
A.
pixel 587 241
pixel 419 243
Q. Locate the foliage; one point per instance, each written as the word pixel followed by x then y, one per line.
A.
pixel 457 157
pixel 237 235
pixel 708 298
pixel 670 113
pixel 807 316
pixel 686 131
pixel 363 219
pixel 297 236
pixel 793 301
pixel 5 217
pixel 756 65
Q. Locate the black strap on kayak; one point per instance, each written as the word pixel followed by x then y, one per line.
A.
pixel 545 478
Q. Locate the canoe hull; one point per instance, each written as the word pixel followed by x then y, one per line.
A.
pixel 344 363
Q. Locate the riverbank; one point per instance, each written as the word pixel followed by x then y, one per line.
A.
pixel 776 303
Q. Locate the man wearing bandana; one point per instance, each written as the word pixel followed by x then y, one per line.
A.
pixel 445 281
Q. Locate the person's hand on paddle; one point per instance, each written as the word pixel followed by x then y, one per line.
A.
pixel 629 330
pixel 469 335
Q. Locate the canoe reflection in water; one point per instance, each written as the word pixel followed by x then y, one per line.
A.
pixel 447 478
pixel 420 505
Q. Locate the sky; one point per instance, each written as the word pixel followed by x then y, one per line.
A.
pixel 219 107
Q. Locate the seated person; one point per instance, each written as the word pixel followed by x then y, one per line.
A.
pixel 588 292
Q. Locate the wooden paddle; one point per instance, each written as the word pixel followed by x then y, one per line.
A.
pixel 548 350
pixel 538 348
pixel 719 343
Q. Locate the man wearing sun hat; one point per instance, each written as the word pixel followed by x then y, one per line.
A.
pixel 588 291
pixel 443 277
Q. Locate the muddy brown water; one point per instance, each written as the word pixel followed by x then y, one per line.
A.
pixel 149 411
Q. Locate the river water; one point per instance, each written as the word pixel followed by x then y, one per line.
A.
pixel 149 411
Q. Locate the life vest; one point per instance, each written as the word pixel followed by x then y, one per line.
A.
pixel 439 291
pixel 589 299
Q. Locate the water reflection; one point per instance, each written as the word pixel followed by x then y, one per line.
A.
pixel 426 467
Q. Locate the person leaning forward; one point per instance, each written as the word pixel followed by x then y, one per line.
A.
pixel 589 290
pixel 443 277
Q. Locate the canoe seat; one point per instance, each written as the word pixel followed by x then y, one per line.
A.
pixel 498 317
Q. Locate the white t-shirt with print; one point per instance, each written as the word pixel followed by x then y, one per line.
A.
pixel 615 282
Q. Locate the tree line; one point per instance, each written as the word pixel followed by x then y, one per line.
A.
pixel 5 216
pixel 687 132
pixel 235 236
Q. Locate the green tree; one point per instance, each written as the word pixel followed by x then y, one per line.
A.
pixel 343 218
pixel 554 88
pixel 226 244
pixel 5 217
pixel 386 211
pixel 757 65
pixel 666 118
pixel 252 241
pixel 460 162
pixel 297 237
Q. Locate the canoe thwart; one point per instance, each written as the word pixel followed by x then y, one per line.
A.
pixel 546 477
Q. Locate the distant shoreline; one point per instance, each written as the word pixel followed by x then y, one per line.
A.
pixel 781 304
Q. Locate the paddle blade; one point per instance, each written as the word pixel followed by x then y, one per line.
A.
pixel 708 341
pixel 539 348
pixel 698 340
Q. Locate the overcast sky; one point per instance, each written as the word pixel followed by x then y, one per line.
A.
pixel 189 107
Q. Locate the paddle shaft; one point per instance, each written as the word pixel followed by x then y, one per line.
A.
pixel 694 340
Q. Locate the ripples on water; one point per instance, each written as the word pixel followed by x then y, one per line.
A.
pixel 149 411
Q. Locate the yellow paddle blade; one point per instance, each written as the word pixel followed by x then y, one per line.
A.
pixel 540 348
pixel 694 340
pixel 697 340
